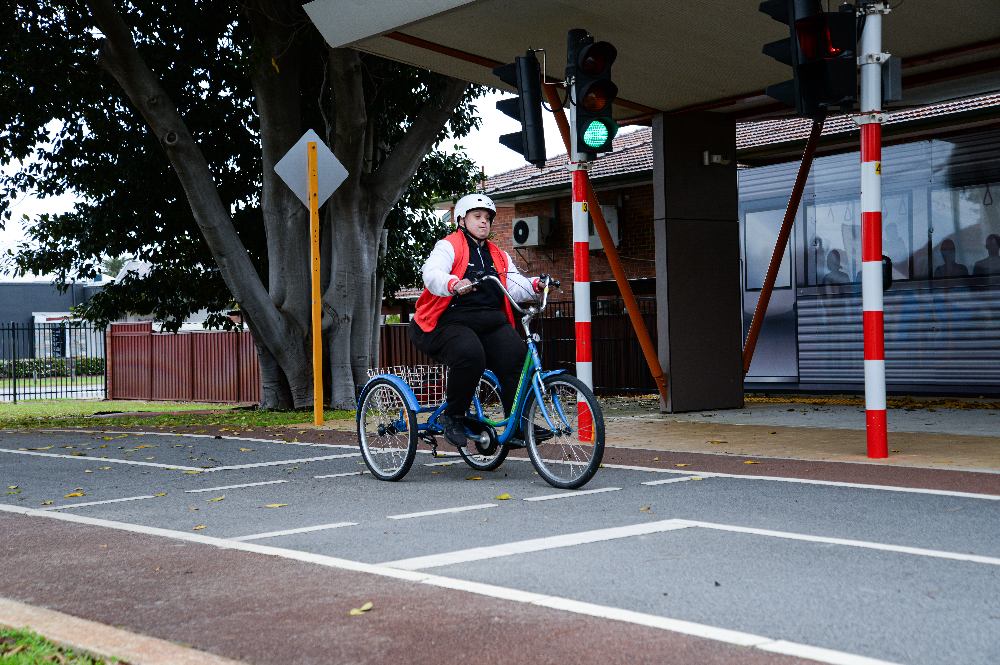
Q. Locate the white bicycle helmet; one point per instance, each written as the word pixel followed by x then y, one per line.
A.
pixel 471 202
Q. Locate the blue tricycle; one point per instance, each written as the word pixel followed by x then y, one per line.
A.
pixel 555 416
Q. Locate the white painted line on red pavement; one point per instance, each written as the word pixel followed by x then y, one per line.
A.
pixel 566 495
pixel 443 511
pixel 669 480
pixel 102 459
pixel 290 532
pixel 280 462
pixel 535 545
pixel 488 590
pixel 808 481
pixel 201 436
pixel 341 475
pixel 901 549
pixel 235 487
pixel 98 503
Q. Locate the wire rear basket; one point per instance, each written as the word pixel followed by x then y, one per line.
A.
pixel 428 382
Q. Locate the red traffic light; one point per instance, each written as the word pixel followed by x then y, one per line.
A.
pixel 596 58
pixel 814 38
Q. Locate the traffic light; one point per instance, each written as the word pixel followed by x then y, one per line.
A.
pixel 588 65
pixel 525 75
pixel 822 52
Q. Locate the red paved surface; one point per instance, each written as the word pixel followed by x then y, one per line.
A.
pixel 263 609
pixel 850 472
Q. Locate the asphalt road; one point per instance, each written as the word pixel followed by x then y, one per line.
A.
pixel 901 576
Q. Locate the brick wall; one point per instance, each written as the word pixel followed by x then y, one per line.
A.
pixel 635 219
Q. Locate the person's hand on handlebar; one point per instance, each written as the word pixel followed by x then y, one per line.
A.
pixel 546 278
pixel 462 287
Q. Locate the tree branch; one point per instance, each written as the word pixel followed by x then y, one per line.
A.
pixel 391 179
pixel 118 56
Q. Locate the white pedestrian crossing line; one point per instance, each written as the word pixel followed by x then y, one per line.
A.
pixel 341 475
pixel 102 459
pixel 235 487
pixel 442 511
pixel 900 549
pixel 671 480
pixel 535 545
pixel 290 532
pixel 566 495
pixel 202 436
pixel 98 503
pixel 280 462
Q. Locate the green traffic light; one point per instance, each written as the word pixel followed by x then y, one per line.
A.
pixel 596 134
pixel 599 132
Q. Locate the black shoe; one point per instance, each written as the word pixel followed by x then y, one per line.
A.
pixel 454 431
pixel 541 434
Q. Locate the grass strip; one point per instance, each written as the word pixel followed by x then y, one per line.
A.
pixel 24 647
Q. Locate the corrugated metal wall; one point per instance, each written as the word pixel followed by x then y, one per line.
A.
pixel 934 337
pixel 201 366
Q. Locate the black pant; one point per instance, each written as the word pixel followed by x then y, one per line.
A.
pixel 468 341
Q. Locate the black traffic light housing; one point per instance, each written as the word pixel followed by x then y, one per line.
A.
pixel 588 65
pixel 525 75
pixel 822 52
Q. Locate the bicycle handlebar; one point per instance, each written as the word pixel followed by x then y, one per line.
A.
pixel 493 277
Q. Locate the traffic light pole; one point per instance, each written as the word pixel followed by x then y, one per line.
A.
pixel 871 118
pixel 645 342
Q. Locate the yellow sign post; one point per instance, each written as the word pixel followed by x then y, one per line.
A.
pixel 317 338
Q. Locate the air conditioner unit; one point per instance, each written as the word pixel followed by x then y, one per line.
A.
pixel 531 231
pixel 611 217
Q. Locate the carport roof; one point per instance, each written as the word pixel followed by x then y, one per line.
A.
pixel 673 56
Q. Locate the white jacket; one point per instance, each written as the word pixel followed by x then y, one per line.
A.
pixel 439 279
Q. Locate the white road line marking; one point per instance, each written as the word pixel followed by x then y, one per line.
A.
pixel 200 436
pixel 97 503
pixel 103 459
pixel 289 532
pixel 488 590
pixel 807 481
pixel 535 545
pixel 280 463
pixel 668 480
pixel 902 549
pixel 234 487
pixel 566 495
pixel 442 511
pixel 341 475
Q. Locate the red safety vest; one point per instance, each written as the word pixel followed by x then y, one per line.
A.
pixel 430 307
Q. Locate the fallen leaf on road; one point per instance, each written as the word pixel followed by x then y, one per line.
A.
pixel 682 465
pixel 358 611
pixel 696 479
pixel 45 448
pixel 275 505
pixel 646 508
pixel 12 492
pixel 219 499
pixel 88 471
pixel 190 508
pixel 68 496
pixel 772 432
pixel 291 468
pixel 199 431
pixel 437 471
pixel 725 441
pixel 751 462
pixel 656 459
pixel 149 458
pixel 79 454
pixel 103 468
pixel 474 478
pixel 600 466
pixel 46 503
pixel 164 494
pixel 248 450
pixel 200 526
pixel 12 487
pixel 896 451
pixel 190 471
pixel 109 438
pixel 502 497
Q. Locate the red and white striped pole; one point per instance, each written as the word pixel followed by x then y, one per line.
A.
pixel 871 226
pixel 581 291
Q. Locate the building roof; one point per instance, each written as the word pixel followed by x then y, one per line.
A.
pixel 632 152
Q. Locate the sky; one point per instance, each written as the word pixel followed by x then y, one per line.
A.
pixel 482 146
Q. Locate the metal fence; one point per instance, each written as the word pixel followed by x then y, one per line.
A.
pixel 57 360
pixel 619 364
